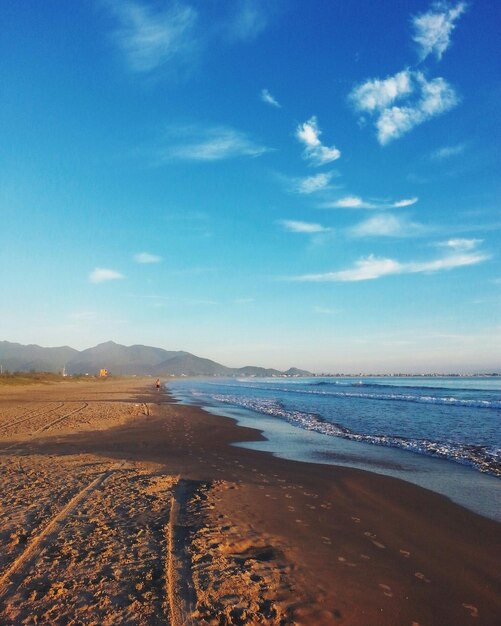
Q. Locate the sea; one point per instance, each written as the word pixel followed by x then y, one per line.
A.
pixel 442 433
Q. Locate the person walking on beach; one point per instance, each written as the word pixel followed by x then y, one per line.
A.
pixel 157 384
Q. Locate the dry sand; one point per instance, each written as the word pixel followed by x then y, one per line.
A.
pixel 121 507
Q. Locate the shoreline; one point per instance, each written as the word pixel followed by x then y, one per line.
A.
pixel 463 483
pixel 270 539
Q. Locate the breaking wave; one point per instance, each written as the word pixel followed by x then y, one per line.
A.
pixel 483 458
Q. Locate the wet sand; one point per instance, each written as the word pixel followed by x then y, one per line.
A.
pixel 121 507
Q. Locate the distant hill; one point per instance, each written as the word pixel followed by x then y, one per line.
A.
pixel 122 360
pixel 16 357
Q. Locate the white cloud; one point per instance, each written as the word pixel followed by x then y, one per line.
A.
pixel 433 29
pixel 309 135
pixel 304 227
pixel 460 244
pixel 447 152
pixel 150 39
pixel 350 202
pixel 311 184
pixel 209 144
pixel 364 269
pixel 355 202
pixel 437 97
pixel 269 99
pixel 146 257
pixel 420 101
pixel 376 95
pixel 403 203
pixel 448 262
pixel 386 226
pixel 374 267
pixel 101 275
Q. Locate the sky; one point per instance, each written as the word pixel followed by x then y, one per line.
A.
pixel 277 183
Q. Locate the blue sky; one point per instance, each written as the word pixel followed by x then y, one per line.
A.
pixel 258 182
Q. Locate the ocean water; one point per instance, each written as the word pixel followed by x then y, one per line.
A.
pixel 442 433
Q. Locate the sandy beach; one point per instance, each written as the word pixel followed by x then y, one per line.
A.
pixel 120 506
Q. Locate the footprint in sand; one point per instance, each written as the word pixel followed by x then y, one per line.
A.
pixel 422 577
pixel 471 609
pixel 342 560
pixel 405 553
pixel 386 590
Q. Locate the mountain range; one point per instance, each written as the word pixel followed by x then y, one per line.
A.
pixel 122 360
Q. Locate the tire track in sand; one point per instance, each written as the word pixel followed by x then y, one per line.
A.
pixel 180 591
pixel 31 415
pixel 46 426
pixel 59 419
pixel 14 575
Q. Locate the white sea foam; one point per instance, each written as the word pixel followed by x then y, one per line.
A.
pixel 484 458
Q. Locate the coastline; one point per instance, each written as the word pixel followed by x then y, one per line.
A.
pixel 293 438
pixel 268 539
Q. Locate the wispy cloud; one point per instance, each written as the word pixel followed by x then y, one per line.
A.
pixel 460 244
pixel 150 39
pixel 146 257
pixel 373 267
pixel 101 275
pixel 311 184
pixel 249 19
pixel 418 100
pixel 315 152
pixel 403 203
pixel 447 151
pixel 355 202
pixel 386 226
pixel 208 144
pixel 304 227
pixel 433 29
pixel 269 99
pixel 364 269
